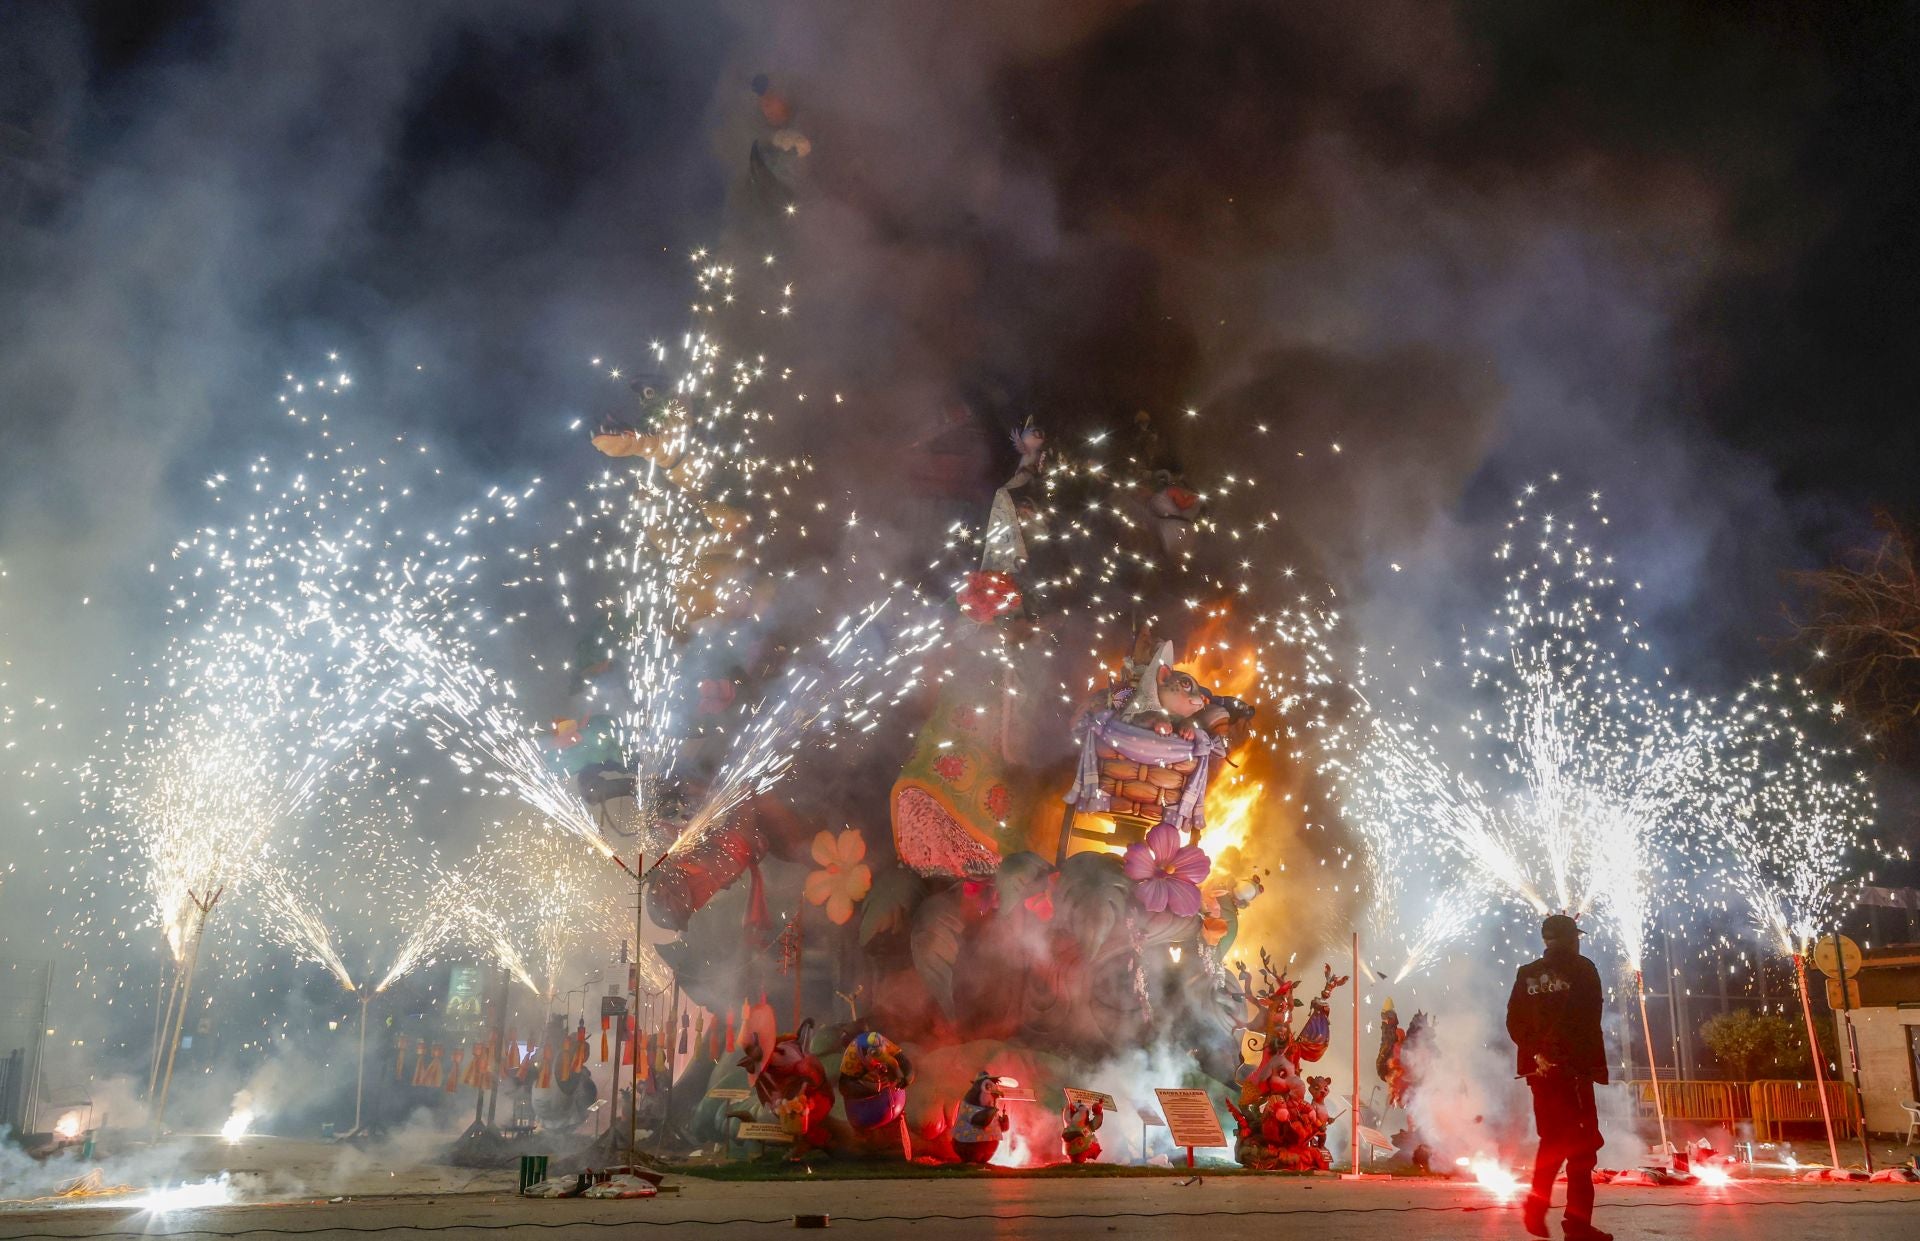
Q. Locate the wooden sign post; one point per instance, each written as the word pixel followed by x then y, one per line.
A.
pixel 1191 1119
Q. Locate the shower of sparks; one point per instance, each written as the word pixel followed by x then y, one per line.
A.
pixel 434 920
pixel 678 534
pixel 1541 767
pixel 235 747
pixel 532 897
pixel 259 696
pixel 356 888
pixel 292 918
pixel 1789 823
pixel 674 540
pixel 473 714
pixel 1104 567
pixel 834 692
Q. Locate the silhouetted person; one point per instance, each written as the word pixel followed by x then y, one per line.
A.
pixel 1553 1017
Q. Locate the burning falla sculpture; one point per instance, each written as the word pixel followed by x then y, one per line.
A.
pixel 1147 750
pixel 1282 1117
pixel 986 933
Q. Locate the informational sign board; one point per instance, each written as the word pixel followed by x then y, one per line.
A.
pixel 613 1006
pixel 1190 1117
pixel 1018 1094
pixel 1851 999
pixel 761 1131
pixel 732 1094
pixel 1830 960
pixel 1076 1095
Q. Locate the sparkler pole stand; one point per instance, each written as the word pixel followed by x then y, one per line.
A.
pixel 673 1060
pixel 1653 1072
pixel 360 1074
pixel 499 1052
pixel 1353 1104
pixel 180 1015
pixel 639 1043
pixel 799 950
pixel 1813 1050
pixel 163 1027
pixel 631 1150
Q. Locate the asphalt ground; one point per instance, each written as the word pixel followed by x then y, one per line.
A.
pixel 1210 1209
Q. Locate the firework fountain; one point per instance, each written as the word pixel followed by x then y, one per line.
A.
pixel 1790 820
pixel 257 698
pixel 1565 776
pixel 375 879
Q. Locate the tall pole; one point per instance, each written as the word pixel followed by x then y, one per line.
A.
pixel 1813 1048
pixel 613 1084
pixel 1676 1007
pixel 1853 1048
pixel 179 1024
pixel 163 1026
pixel 1653 1072
pixel 633 977
pixel 1353 1104
pixel 32 1114
pixel 360 1075
pixel 799 955
pixel 186 992
pixel 673 1053
pixel 499 1046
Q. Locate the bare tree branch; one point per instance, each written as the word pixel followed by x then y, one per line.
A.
pixel 1861 621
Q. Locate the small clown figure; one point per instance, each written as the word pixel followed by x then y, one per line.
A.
pixel 1079 1122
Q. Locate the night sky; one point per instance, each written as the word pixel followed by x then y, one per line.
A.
pixel 1666 248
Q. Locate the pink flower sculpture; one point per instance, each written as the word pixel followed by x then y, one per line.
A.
pixel 1166 874
pixel 843 879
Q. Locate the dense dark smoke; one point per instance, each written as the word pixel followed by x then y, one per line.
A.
pixel 1464 246
pixel 1467 243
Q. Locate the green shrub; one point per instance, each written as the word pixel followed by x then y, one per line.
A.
pixel 1750 1045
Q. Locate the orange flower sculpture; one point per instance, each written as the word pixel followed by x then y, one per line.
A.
pixel 843 878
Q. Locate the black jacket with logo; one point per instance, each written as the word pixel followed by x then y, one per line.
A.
pixel 1554 1011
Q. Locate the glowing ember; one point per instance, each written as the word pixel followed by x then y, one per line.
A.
pixel 68 1127
pixel 1713 1176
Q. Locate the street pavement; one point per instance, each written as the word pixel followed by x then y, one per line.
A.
pixel 1211 1208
